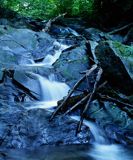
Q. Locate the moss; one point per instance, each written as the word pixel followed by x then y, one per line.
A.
pixel 126 51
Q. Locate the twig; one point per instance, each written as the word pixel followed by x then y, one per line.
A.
pixel 104 97
pixel 99 74
pixel 83 100
pixel 49 23
pixel 72 90
pixel 120 29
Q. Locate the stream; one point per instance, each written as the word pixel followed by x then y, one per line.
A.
pixel 52 91
pixel 100 149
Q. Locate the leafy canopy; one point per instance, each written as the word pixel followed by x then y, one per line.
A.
pixel 49 8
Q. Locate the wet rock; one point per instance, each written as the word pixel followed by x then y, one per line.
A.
pixel 1 75
pixel 22 46
pixel 116 37
pixel 97 35
pixel 117 62
pixel 71 63
pixel 75 23
pixel 21 128
pixel 63 31
pixel 116 123
pixel 45 45
pixel 28 80
pixel 4 21
pixel 94 34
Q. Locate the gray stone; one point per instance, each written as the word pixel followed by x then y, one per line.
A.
pixel 116 123
pixel 71 63
pixel 28 80
pixel 117 62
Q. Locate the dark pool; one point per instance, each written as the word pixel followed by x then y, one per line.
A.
pixel 70 152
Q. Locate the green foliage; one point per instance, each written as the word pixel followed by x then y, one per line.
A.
pixel 90 9
pixel 49 8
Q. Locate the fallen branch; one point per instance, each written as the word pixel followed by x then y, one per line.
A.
pixel 120 29
pixel 49 23
pixel 99 74
pixel 83 100
pixel 105 97
pixel 26 90
pixel 72 90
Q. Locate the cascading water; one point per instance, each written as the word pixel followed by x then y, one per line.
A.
pixel 98 134
pixel 101 149
pixel 52 91
pixel 50 59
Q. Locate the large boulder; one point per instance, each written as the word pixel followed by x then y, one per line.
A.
pixel 22 46
pixel 117 124
pixel 117 62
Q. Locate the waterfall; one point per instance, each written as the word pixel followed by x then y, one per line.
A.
pixel 50 59
pixel 98 134
pixel 51 89
pixel 101 149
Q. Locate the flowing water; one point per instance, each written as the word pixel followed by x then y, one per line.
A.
pixel 101 149
pixel 52 91
pixel 50 59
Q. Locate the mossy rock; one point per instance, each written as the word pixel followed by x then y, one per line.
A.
pixel 116 60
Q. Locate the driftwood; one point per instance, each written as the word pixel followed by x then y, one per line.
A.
pixel 49 23
pixel 26 90
pixel 82 100
pixel 74 99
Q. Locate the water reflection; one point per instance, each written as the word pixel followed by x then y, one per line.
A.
pixel 71 152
